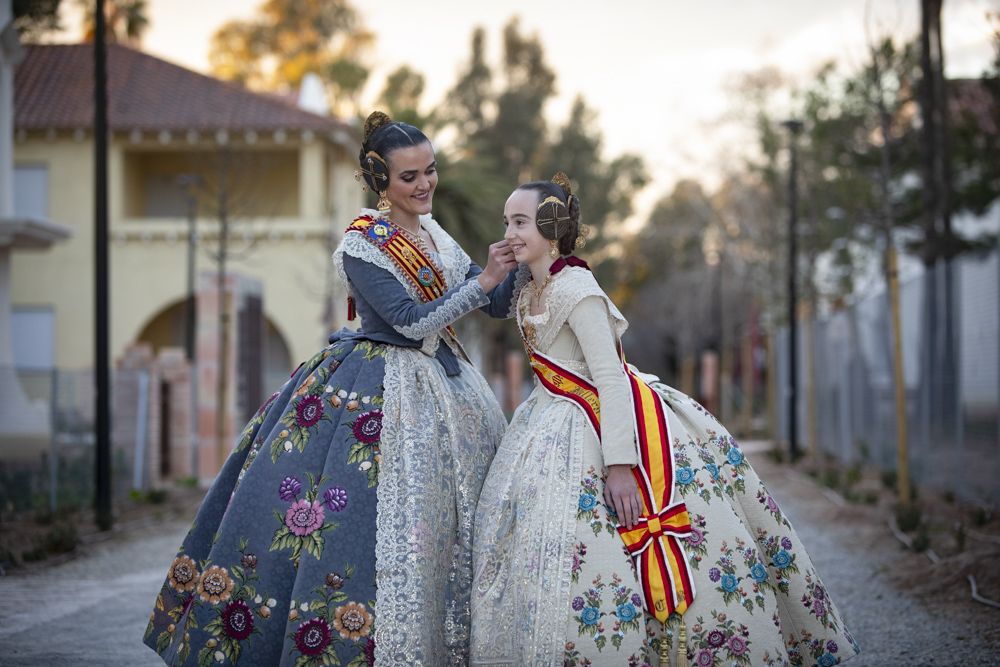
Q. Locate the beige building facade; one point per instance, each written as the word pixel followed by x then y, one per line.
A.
pixel 283 181
pixel 183 147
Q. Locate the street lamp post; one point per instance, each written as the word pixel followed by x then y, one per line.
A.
pixel 189 182
pixel 102 355
pixel 794 128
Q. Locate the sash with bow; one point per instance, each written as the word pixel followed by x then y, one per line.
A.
pixel 654 541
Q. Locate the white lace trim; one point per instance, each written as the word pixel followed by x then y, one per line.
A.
pixel 568 288
pixel 438 437
pixel 463 300
pixel 454 259
pixel 521 279
pixel 525 532
pixel 352 244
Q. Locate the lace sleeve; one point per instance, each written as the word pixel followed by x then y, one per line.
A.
pixel 383 291
pixel 592 327
pixel 503 298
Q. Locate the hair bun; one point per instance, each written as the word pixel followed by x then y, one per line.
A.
pixel 375 120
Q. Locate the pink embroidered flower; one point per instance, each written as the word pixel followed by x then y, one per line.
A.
pixel 308 411
pixel 304 517
pixel 737 645
pixel 368 427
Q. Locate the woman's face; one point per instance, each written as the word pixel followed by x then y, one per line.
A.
pixel 519 214
pixel 412 179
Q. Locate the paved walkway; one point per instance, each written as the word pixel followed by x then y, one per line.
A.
pixel 93 610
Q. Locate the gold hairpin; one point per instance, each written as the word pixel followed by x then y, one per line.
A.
pixel 562 180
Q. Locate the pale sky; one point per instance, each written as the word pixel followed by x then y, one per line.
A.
pixel 655 70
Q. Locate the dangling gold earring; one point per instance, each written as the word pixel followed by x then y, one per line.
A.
pixel 554 248
pixel 383 205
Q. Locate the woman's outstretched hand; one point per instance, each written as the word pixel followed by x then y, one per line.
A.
pixel 621 493
pixel 500 263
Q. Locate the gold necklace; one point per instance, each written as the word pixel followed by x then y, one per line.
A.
pixel 538 291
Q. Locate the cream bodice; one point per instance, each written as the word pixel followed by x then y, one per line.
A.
pixel 580 328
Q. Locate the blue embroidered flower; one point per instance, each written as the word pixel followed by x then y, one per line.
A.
pixel 590 616
pixel 626 612
pixel 735 456
pixel 713 469
pixel 782 559
pixel 729 583
pixel 587 502
pixel 685 475
pixel 758 572
pixel 827 660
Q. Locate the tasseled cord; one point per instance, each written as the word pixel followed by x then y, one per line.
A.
pixel 681 647
pixel 351 312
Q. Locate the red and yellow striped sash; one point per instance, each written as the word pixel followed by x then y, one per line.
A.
pixel 564 383
pixel 418 269
pixel 664 574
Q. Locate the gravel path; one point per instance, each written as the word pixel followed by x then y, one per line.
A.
pixel 92 611
pixel 853 552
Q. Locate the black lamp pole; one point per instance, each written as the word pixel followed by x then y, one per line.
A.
pixel 102 366
pixel 794 128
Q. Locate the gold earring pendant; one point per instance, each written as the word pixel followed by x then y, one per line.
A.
pixel 554 249
pixel 383 205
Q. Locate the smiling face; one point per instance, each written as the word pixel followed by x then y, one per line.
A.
pixel 412 179
pixel 526 241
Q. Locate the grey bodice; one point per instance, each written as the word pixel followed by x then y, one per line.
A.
pixel 391 313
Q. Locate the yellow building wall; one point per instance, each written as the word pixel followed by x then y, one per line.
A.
pixel 148 272
pixel 62 276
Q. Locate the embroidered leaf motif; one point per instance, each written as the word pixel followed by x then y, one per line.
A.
pixel 314 543
pixel 359 452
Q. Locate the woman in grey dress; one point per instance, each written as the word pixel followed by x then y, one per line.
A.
pixel 339 531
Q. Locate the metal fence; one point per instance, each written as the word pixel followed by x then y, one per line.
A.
pixel 952 376
pixel 47 462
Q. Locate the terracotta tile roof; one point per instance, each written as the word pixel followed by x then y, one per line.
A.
pixel 53 89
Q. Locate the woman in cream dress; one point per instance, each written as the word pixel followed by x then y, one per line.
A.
pixel 553 583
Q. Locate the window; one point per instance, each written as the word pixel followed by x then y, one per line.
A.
pixel 31 191
pixel 34 337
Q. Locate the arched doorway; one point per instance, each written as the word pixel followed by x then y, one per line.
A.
pixel 166 329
